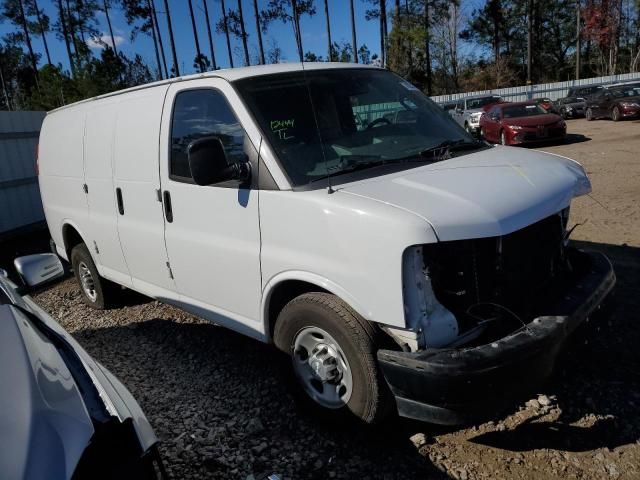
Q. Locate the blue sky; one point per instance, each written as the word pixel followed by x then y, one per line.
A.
pixel 313 32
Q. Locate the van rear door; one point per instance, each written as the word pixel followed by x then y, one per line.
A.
pixel 102 227
pixel 212 232
pixel 137 187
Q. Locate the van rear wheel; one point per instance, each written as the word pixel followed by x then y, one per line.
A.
pixel 333 357
pixel 97 292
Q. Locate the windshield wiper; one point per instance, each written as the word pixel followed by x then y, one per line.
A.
pixel 440 151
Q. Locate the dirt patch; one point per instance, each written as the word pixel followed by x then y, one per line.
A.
pixel 219 405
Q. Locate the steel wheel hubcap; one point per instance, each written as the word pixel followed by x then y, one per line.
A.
pixel 322 367
pixel 87 282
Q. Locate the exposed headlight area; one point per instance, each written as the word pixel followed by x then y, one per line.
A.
pixel 434 325
pixel 630 104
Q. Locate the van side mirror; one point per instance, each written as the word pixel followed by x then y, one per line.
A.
pixel 39 269
pixel 208 163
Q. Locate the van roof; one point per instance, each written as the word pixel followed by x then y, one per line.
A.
pixel 232 74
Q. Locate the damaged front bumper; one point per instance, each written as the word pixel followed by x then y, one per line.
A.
pixel 465 385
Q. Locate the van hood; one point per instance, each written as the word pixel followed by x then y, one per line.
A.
pixel 483 194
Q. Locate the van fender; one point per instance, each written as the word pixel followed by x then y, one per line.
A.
pixel 314 279
pixel 62 249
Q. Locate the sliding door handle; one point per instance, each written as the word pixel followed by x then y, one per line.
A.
pixel 168 212
pixel 120 203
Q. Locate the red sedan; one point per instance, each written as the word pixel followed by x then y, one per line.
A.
pixel 522 122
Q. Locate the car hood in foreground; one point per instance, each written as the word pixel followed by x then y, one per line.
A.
pixel 43 411
pixel 484 194
pixel 44 422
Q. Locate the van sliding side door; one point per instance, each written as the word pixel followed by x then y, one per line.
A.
pixel 212 232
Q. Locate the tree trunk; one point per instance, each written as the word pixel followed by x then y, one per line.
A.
pixel 80 21
pixel 27 39
pixel 578 32
pixel 153 35
pixel 353 33
pixel 65 34
pixel 154 16
pixel 296 28
pixel 226 32
pixel 195 38
pixel 172 40
pixel 328 26
pixel 453 35
pixel 247 62
pixel 42 32
pixel 113 39
pixel 72 32
pixel 213 52
pixel 256 13
pixel 4 90
pixel 383 32
pixel 427 46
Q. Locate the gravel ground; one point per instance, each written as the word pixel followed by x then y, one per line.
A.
pixel 218 402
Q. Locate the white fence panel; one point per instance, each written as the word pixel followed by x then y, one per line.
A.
pixel 551 90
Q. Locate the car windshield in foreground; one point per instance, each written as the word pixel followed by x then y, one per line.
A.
pixel 324 123
pixel 516 111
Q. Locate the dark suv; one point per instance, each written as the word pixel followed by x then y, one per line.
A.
pixel 571 107
pixel 585 91
pixel 615 103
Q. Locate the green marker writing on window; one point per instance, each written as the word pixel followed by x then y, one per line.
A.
pixel 279 128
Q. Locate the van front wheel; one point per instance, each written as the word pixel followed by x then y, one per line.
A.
pixel 97 292
pixel 333 357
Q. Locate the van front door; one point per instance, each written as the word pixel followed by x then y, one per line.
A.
pixel 212 232
pixel 137 188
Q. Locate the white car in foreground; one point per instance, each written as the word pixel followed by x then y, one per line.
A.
pixel 338 213
pixel 62 415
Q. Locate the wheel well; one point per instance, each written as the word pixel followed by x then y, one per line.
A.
pixel 71 238
pixel 282 294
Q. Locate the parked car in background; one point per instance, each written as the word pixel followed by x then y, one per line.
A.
pixel 62 414
pixel 521 122
pixel 449 107
pixel 616 103
pixel 584 91
pixel 546 103
pixel 469 110
pixel 571 107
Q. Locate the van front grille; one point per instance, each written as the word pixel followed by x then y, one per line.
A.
pixel 515 272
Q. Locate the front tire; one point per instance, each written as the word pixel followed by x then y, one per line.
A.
pixel 503 138
pixel 615 114
pixel 589 115
pixel 333 357
pixel 97 292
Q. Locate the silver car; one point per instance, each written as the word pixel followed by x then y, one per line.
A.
pixel 62 414
pixel 469 110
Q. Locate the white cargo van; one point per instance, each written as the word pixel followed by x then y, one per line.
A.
pixel 338 213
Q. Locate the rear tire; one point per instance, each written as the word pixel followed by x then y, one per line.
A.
pixel 333 358
pixel 97 292
pixel 615 114
pixel 589 115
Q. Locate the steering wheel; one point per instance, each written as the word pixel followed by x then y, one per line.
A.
pixel 378 121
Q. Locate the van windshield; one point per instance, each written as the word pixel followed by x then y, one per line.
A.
pixel 363 118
